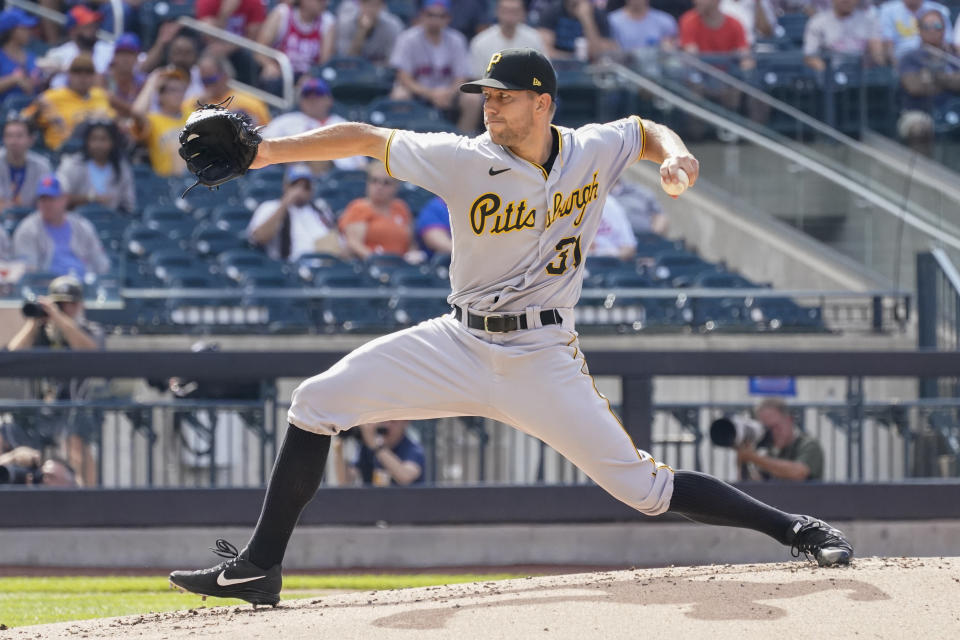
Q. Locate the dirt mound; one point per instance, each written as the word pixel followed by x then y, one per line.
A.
pixel 873 598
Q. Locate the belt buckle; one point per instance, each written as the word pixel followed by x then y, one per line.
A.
pixel 486 323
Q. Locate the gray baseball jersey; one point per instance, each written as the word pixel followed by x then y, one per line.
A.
pixel 520 237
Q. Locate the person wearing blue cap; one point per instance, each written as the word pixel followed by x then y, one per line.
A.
pixel 315 106
pixel 296 223
pixel 18 66
pixel 125 80
pixel 54 241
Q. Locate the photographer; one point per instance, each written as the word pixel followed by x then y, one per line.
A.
pixel 56 321
pixel 798 457
pixel 24 465
pixel 387 457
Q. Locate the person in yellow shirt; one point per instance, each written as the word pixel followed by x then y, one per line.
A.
pixel 159 129
pixel 57 112
pixel 214 75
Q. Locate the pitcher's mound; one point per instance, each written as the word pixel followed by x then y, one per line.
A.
pixel 873 598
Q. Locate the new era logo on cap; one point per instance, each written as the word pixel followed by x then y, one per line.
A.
pixel 517 70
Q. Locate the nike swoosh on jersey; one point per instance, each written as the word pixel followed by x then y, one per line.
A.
pixel 498 172
pixel 224 581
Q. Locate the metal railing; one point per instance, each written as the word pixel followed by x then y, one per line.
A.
pixel 288 101
pixel 861 406
pixel 938 315
pixel 232 443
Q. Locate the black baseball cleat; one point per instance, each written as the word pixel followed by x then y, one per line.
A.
pixel 827 545
pixel 235 578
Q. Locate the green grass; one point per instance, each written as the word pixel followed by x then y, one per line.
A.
pixel 26 601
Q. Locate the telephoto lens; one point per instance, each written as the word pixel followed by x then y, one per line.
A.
pixel 32 310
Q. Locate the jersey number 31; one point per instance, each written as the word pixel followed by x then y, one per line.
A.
pixel 559 264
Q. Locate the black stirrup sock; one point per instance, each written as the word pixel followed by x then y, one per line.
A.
pixel 295 479
pixel 705 499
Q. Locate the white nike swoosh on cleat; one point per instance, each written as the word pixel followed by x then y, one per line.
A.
pixel 224 581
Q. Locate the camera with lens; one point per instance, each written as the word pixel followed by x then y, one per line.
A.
pixel 13 474
pixel 732 431
pixel 31 309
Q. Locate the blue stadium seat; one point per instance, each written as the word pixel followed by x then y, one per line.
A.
pixel 209 240
pixel 16 103
pixel 169 219
pixel 259 192
pixel 384 112
pixel 408 311
pixel 578 96
pixel 413 277
pixel 793 26
pixel 415 197
pixel 672 264
pixel 232 218
pixel 11 217
pixel 309 264
pixel 378 267
pixel 35 283
pixel 355 80
pixel 784 75
pixel 110 232
pixel 141 240
pixel 269 276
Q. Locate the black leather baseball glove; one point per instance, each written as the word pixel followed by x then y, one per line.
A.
pixel 217 144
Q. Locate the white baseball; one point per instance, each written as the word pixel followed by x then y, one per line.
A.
pixel 676 188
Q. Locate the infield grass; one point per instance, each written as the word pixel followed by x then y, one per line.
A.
pixel 27 601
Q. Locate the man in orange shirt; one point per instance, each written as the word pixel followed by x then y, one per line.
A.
pixel 379 223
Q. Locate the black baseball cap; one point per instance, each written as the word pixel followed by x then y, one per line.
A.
pixel 517 70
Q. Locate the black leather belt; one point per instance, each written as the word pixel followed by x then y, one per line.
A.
pixel 500 323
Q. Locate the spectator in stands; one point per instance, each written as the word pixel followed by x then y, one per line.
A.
pixel 898 30
pixel 57 112
pixel 433 228
pixel 82 25
pixel 175 50
pixel 125 80
pixel 469 17
pixel 706 30
pixel 510 32
pixel 927 81
pixel 843 30
pixel 63 327
pixel 386 457
pixel 54 241
pixel 6 252
pixel 240 17
pixel 315 105
pixel 49 472
pixel 798 457
pixel 296 223
pixel 366 29
pixel 806 7
pixel 100 173
pixel 20 168
pixel 215 74
pixel 432 62
pixel 159 128
pixel 575 29
pixel 757 17
pixel 380 222
pixel 641 206
pixel 614 235
pixel 18 66
pixel 637 26
pixel 306 32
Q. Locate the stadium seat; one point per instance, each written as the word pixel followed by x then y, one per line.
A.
pixel 408 311
pixel 169 219
pixel 402 114
pixel 141 240
pixel 260 192
pixel 268 276
pixel 415 197
pixel 309 264
pixel 378 267
pixel 235 219
pixel 209 240
pixel 16 103
pixel 35 283
pixel 355 80
pixel 11 217
pixel 793 26
pixel 578 96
